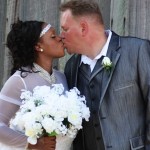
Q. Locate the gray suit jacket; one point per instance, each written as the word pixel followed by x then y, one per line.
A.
pixel 125 95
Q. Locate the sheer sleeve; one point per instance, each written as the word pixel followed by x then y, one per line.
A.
pixel 9 104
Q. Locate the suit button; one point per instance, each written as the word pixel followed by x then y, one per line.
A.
pixel 91 85
pixel 98 138
pixel 94 112
pixel 103 118
pixel 96 124
pixel 109 146
pixel 92 99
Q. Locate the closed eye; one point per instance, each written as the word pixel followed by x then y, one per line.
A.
pixel 64 29
pixel 53 36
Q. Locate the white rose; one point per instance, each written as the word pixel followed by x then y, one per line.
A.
pixel 106 61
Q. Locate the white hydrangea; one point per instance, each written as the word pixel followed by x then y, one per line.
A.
pixel 49 124
pixel 50 110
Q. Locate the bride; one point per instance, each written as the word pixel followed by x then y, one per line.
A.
pixel 33 45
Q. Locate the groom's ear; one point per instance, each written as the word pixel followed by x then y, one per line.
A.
pixel 84 27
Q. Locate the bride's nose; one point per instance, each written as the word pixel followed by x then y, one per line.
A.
pixel 59 38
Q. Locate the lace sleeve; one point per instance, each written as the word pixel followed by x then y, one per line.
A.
pixel 9 104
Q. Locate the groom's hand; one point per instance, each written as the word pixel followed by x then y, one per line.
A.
pixel 44 143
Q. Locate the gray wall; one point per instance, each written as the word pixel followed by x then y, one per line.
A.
pixel 2 37
pixel 131 17
pixel 10 10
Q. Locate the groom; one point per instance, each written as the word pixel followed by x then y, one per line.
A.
pixel 118 96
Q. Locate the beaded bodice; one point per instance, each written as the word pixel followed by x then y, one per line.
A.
pixel 44 74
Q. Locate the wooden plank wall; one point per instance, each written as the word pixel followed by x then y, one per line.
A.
pixel 131 17
pixel 105 10
pixel 10 10
pixel 2 37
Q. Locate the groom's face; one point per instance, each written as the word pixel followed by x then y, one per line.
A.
pixel 71 32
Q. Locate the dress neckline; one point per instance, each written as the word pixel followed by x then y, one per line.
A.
pixel 44 74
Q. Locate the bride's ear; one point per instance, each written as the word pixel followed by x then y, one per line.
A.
pixel 37 47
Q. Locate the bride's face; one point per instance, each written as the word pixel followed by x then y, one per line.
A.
pixel 52 44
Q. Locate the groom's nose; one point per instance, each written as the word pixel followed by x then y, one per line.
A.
pixel 62 37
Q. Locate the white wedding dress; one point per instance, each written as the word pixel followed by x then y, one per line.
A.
pixel 10 102
pixel 5 147
pixel 62 143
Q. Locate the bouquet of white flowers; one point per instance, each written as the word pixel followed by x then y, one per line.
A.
pixel 50 111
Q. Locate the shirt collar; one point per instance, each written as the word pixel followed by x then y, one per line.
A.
pixel 87 60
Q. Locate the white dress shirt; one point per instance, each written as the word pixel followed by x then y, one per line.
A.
pixel 103 52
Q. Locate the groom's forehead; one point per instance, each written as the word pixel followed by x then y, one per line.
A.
pixel 66 17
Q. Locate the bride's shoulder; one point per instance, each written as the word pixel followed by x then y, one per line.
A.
pixel 13 80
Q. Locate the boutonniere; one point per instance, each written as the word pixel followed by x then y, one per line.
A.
pixel 107 64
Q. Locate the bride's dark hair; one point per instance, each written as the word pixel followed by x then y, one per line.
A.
pixel 21 41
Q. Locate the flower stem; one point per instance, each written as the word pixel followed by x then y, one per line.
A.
pixel 52 133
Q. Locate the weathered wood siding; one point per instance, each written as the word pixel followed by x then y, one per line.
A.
pixel 2 37
pixel 118 12
pixel 10 10
pixel 105 10
pixel 131 17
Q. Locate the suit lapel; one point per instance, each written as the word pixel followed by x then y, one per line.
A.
pixel 108 75
pixel 113 54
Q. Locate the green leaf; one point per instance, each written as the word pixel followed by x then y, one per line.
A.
pixel 52 133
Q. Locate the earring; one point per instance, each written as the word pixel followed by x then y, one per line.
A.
pixel 41 50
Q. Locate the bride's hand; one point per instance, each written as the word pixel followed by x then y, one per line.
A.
pixel 44 143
